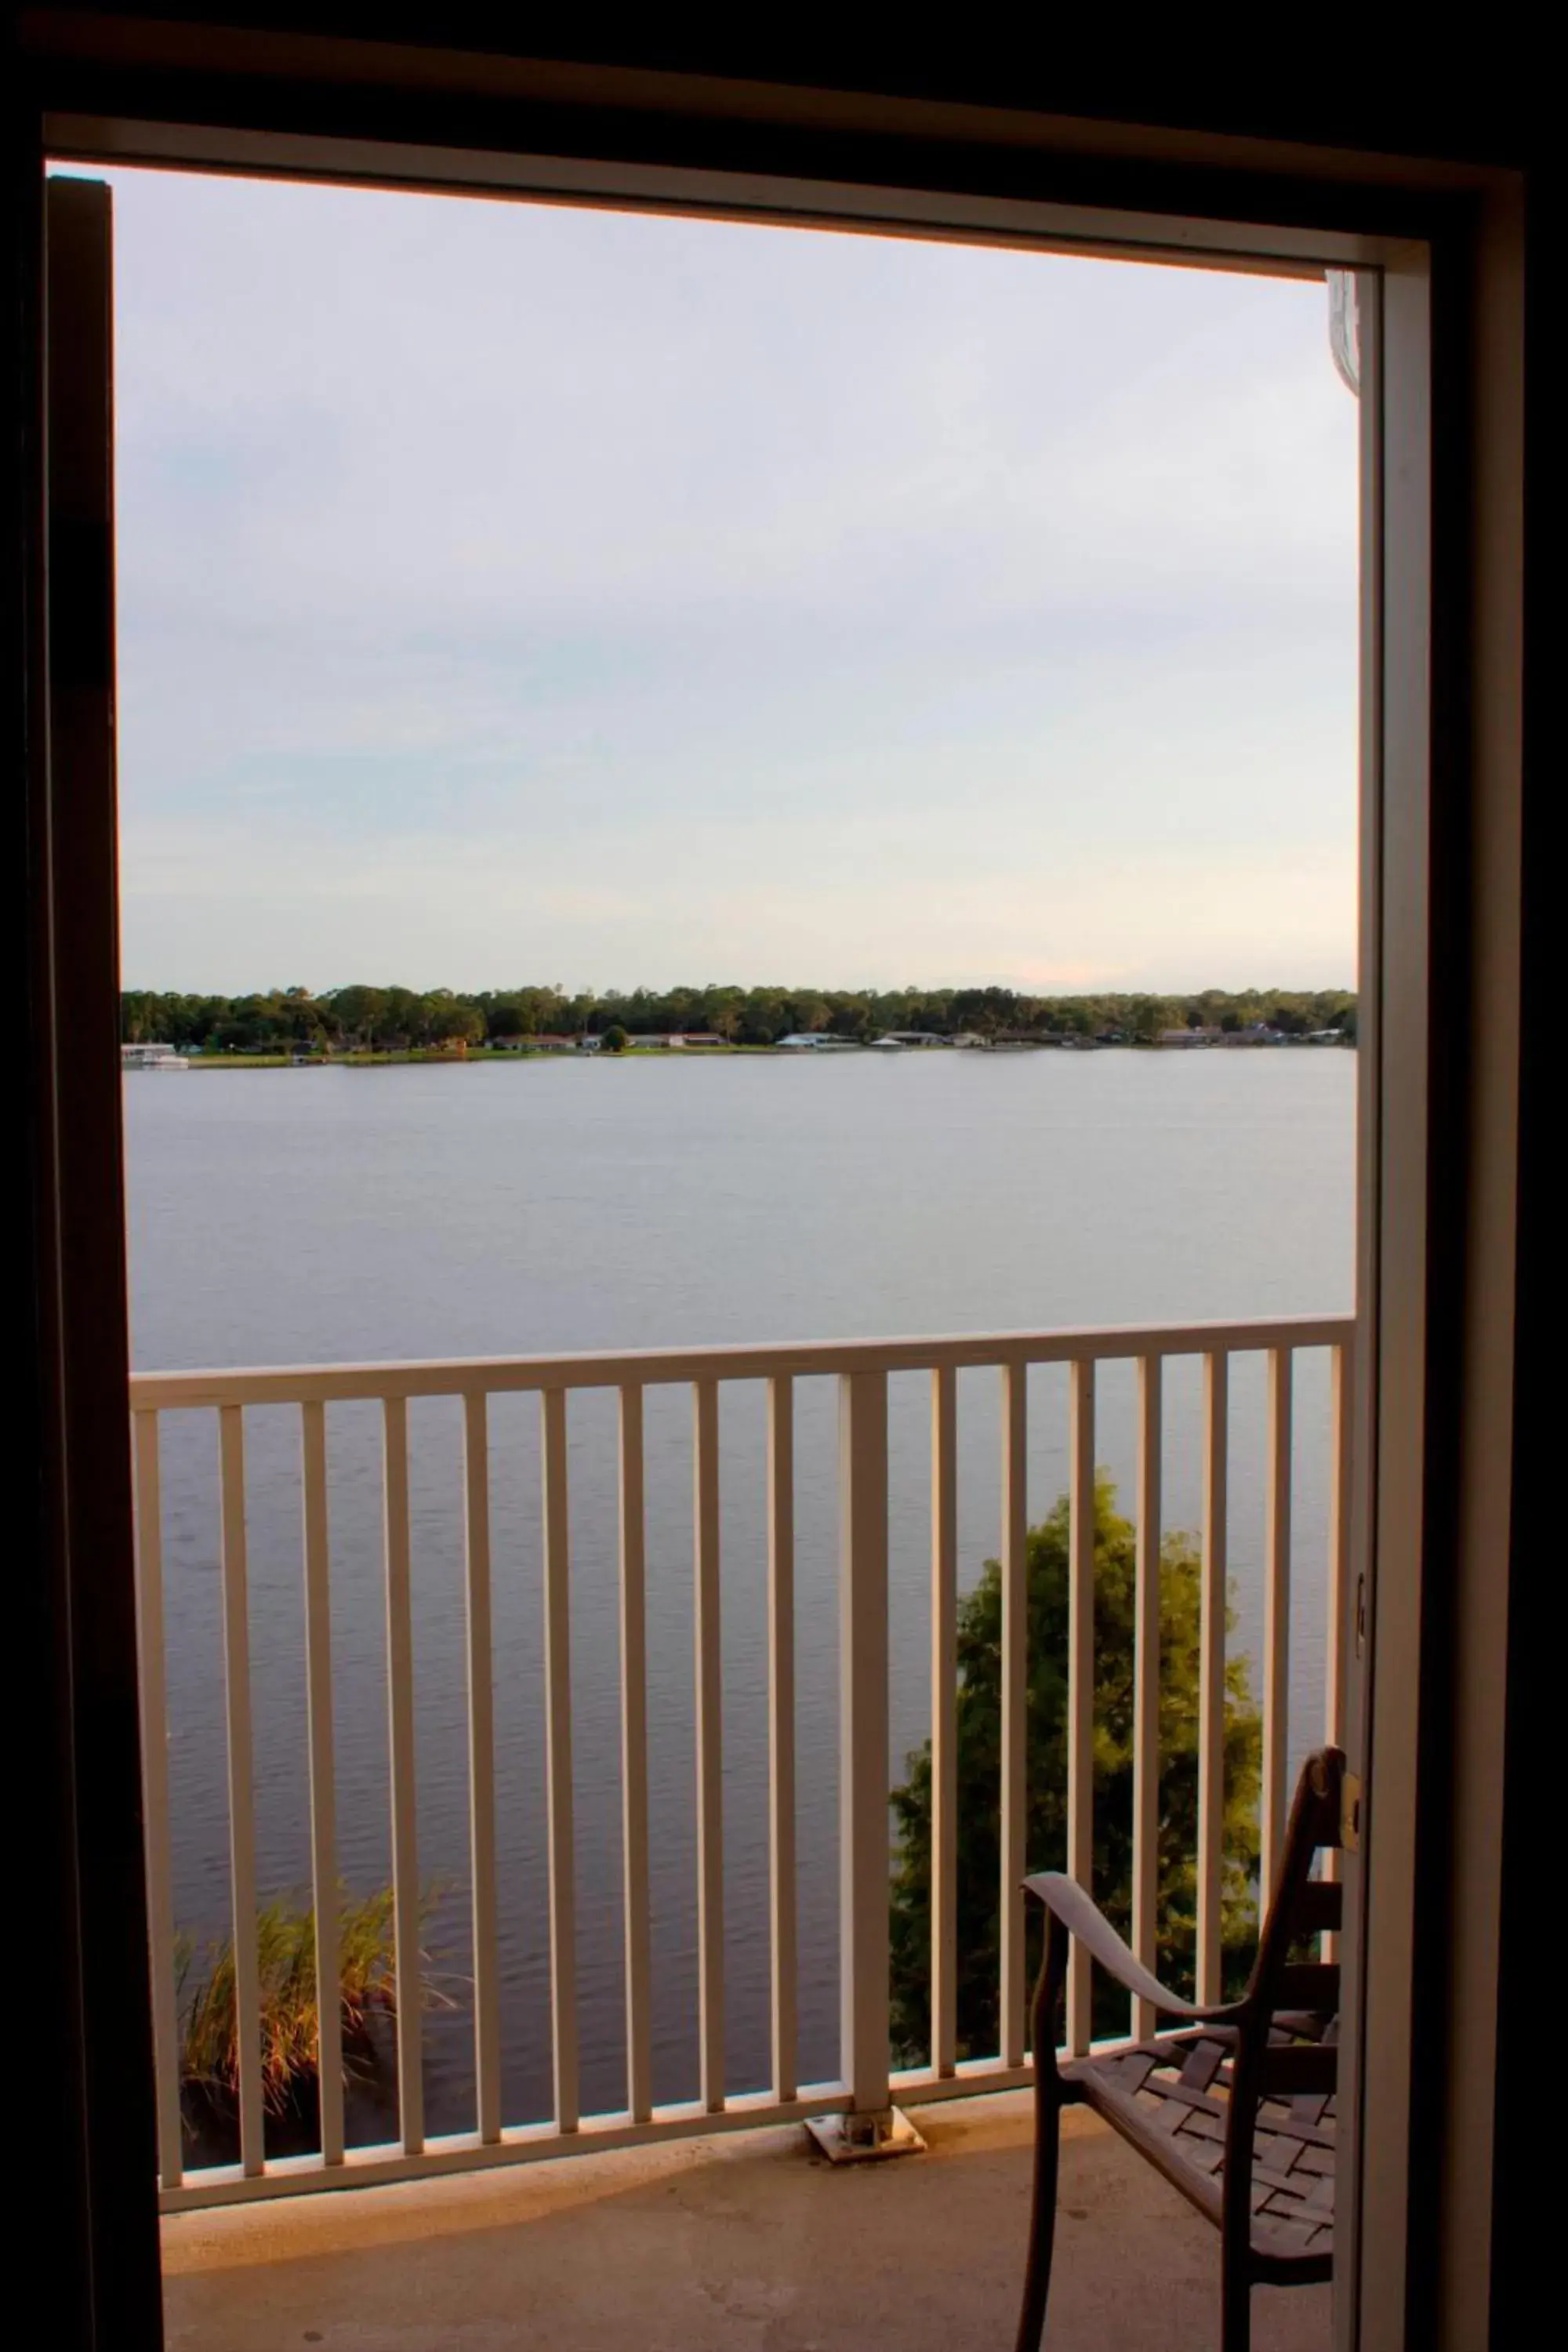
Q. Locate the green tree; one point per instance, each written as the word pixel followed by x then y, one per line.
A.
pixel 505 1017
pixel 614 1040
pixel 979 1769
pixel 450 1022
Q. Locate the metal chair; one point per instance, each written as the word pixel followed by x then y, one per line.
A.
pixel 1234 2106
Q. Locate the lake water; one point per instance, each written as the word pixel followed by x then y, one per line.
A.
pixel 498 1209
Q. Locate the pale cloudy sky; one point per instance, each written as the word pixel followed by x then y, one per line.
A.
pixel 510 592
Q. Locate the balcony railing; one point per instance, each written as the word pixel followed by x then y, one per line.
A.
pixel 864 2086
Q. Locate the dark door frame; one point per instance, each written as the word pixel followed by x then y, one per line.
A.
pixel 416 114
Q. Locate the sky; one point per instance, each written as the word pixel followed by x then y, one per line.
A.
pixel 510 592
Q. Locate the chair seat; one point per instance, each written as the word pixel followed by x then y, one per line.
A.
pixel 1168 2098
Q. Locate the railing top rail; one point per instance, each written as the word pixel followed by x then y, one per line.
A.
pixel 662 1367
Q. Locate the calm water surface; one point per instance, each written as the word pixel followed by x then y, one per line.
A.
pixel 316 1216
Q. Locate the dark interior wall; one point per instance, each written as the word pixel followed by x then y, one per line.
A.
pixel 1470 98
pixel 1474 103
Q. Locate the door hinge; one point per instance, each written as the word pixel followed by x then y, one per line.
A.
pixel 1350 1813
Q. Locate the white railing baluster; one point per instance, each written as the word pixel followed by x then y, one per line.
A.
pixel 481 1762
pixel 633 1761
pixel 405 1903
pixel 323 1793
pixel 154 1699
pixel 709 1742
pixel 1080 1688
pixel 1146 1688
pixel 1014 1708
pixel 1276 1620
pixel 863 1987
pixel 944 1720
pixel 1211 1676
pixel 558 1745
pixel 1342 1440
pixel 781 1729
pixel 1338 1633
pixel 241 1805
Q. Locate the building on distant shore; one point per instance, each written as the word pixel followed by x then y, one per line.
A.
pixel 151 1057
pixel 668 1041
pixel 1180 1037
pixel 1257 1032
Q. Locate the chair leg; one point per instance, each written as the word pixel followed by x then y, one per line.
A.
pixel 1235 2312
pixel 1043 2204
pixel 1043 2010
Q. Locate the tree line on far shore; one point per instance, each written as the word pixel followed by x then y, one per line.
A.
pixel 397 1020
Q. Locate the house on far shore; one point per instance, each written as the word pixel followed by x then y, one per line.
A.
pixel 151 1057
pixel 815 1040
pixel 917 1037
pixel 1257 1032
pixel 1180 1037
pixel 670 1040
pixel 551 1042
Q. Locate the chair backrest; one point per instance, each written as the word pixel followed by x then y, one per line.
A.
pixel 1301 1906
pixel 1286 2041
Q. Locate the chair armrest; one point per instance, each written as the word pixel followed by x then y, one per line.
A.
pixel 1067 1901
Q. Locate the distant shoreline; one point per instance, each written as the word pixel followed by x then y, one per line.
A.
pixel 368 1025
pixel 491 1057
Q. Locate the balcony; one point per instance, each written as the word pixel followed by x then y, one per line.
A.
pixel 723 2243
pixel 763 2232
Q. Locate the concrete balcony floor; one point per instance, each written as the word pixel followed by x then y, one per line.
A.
pixel 741 2241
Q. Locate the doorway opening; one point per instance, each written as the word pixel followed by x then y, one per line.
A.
pixel 418 1539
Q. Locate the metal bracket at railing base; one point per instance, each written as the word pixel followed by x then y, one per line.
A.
pixel 864 2139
